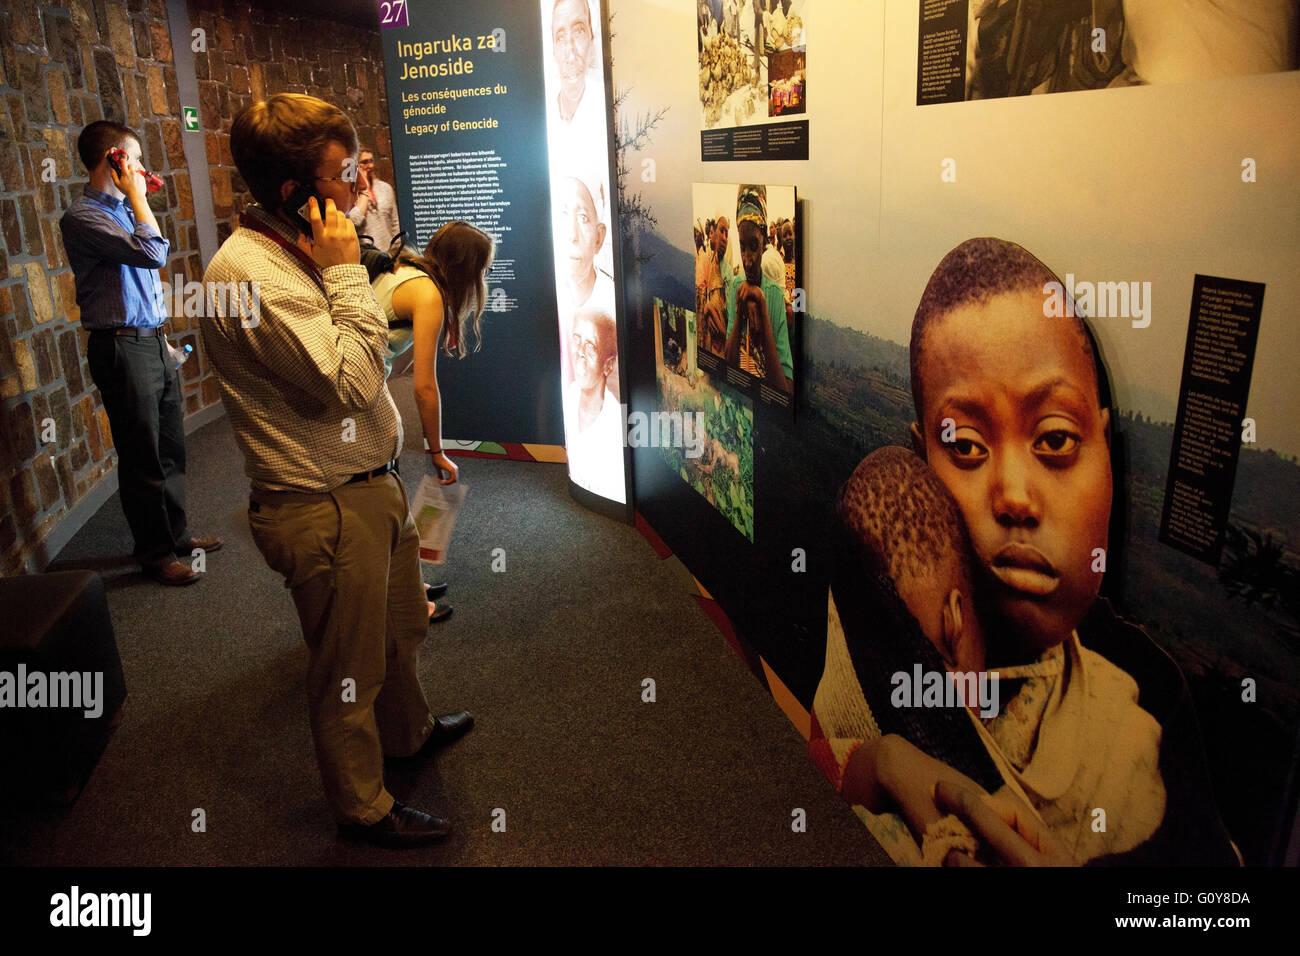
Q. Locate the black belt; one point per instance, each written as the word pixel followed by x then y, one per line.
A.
pixel 135 331
pixel 376 473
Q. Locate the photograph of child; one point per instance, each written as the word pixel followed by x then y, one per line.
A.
pixel 1013 417
pixel 744 282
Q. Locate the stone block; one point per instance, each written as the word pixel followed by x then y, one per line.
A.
pixel 47 361
pixel 61 412
pixel 157 91
pixel 110 86
pixel 47 480
pixel 22 492
pixel 39 291
pixel 161 41
pixel 120 37
pixel 70 354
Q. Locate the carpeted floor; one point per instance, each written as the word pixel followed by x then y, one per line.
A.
pixel 549 655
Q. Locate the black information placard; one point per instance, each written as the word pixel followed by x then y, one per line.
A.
pixel 1221 337
pixel 771 141
pixel 468 120
pixel 941 52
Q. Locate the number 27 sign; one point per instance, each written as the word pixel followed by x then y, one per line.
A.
pixel 392 13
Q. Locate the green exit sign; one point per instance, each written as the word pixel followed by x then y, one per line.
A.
pixel 191 117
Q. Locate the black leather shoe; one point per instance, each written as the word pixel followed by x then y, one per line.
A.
pixel 442 610
pixel 446 728
pixel 403 827
pixel 435 591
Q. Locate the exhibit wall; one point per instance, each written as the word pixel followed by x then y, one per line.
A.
pixel 1152 167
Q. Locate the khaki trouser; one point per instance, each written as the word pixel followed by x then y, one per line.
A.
pixel 351 559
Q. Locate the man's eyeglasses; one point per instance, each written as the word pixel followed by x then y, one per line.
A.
pixel 352 183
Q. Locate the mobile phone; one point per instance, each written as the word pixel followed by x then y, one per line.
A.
pixel 152 181
pixel 297 207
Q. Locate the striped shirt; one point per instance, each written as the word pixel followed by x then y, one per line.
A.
pixel 302 376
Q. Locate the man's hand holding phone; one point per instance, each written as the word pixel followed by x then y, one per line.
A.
pixel 333 237
pixel 127 174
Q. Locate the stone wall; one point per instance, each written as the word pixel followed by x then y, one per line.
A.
pixel 255 52
pixel 64 64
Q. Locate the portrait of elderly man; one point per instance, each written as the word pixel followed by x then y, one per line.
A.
pixel 577 109
pixel 593 421
pixel 580 232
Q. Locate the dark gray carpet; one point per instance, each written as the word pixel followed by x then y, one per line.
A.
pixel 549 655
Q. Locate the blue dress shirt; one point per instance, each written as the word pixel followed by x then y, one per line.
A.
pixel 113 259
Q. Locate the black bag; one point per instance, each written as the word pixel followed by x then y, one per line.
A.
pixel 377 261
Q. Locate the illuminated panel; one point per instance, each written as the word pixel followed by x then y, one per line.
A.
pixel 583 233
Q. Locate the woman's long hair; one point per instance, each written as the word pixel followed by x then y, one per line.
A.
pixel 455 260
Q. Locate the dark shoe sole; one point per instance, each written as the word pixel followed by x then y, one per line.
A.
pixel 184 582
pixel 208 550
pixel 354 833
pixel 389 841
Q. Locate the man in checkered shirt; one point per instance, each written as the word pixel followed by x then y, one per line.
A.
pixel 301 371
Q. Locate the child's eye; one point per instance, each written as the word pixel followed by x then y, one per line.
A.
pixel 1057 443
pixel 966 452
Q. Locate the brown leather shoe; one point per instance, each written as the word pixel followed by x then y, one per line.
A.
pixel 211 543
pixel 172 573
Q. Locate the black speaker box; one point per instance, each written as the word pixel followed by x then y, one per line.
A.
pixel 56 625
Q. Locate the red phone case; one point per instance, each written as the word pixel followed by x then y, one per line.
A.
pixel 152 181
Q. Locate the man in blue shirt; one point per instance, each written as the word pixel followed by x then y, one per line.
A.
pixel 115 248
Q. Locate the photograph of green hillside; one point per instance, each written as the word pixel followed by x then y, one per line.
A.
pixel 716 456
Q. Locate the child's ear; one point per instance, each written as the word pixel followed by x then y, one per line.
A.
pixel 951 627
pixel 918 442
pixel 1105 425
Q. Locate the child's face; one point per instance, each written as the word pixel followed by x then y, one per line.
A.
pixel 751 251
pixel 1030 466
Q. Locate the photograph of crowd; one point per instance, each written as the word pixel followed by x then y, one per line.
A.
pixel 746 279
pixel 751 60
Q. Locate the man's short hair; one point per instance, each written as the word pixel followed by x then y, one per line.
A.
pixel 972 274
pixel 904 519
pixel 284 137
pixel 99 137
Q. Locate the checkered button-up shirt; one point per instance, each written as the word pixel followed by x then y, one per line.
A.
pixel 302 374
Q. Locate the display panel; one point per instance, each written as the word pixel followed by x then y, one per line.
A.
pixel 465 99
pixel 748 294
pixel 1138 202
pixel 753 78
pixel 583 239
pixel 704 428
pixel 979 51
